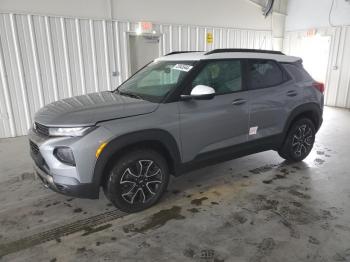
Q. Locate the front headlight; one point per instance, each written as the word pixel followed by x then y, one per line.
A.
pixel 69 131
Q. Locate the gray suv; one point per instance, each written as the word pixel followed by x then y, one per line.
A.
pixel 182 111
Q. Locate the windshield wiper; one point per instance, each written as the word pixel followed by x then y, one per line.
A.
pixel 132 95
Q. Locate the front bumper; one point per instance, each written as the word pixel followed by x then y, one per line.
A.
pixel 85 190
pixel 55 175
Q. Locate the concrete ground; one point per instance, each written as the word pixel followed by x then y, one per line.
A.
pixel 256 208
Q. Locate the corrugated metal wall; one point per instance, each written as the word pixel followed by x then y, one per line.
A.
pixel 43 59
pixel 338 70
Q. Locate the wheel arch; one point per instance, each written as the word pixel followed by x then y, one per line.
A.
pixel 311 111
pixel 157 139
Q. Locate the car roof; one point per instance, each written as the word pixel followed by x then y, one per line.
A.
pixel 223 54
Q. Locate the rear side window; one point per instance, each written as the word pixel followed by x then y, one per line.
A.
pixel 264 73
pixel 298 72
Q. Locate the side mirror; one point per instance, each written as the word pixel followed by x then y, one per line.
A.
pixel 200 92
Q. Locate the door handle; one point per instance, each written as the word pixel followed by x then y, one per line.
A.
pixel 292 93
pixel 239 101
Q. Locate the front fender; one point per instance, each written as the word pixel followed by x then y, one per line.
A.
pixel 117 144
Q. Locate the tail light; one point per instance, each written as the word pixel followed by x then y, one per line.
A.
pixel 319 86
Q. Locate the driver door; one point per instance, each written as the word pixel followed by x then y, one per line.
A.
pixel 207 126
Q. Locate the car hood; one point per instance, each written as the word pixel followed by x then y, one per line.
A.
pixel 89 109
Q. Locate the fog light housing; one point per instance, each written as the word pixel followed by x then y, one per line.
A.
pixel 64 155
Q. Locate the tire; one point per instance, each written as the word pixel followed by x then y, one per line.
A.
pixel 299 141
pixel 137 180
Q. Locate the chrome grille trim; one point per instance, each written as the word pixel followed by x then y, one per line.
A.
pixel 41 129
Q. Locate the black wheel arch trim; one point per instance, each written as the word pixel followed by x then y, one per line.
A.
pixel 114 146
pixel 307 108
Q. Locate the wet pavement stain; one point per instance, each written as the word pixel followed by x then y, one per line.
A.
pixel 239 217
pixel 313 240
pixel 81 250
pixel 267 181
pixel 292 231
pixel 267 245
pixel 342 227
pixel 67 204
pixel 262 169
pixel 38 213
pixel 289 212
pixel 265 248
pixel 319 161
pixel 189 252
pixel 342 255
pixel 297 204
pixel 157 220
pixel 285 171
pixel 260 202
pixel 90 230
pixel 28 176
pixel 298 194
pixel 279 176
pixel 198 201
pixel 144 244
pixel 299 216
pixel 216 193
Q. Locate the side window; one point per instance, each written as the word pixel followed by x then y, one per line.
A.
pixel 298 72
pixel 224 76
pixel 264 73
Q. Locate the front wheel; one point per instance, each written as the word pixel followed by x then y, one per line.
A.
pixel 137 180
pixel 299 141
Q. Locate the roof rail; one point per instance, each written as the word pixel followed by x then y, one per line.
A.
pixel 181 52
pixel 243 50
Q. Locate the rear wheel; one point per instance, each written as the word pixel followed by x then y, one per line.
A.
pixel 299 141
pixel 137 180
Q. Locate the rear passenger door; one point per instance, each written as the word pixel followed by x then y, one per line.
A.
pixel 272 95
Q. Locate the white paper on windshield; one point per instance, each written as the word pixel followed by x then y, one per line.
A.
pixel 182 67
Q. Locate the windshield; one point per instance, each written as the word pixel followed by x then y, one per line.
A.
pixel 156 80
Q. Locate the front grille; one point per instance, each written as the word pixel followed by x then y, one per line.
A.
pixel 43 130
pixel 37 157
pixel 33 147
